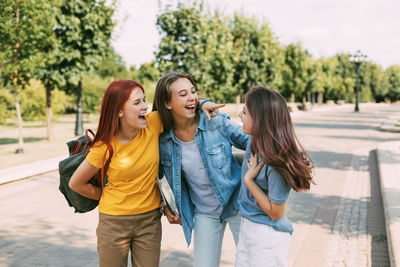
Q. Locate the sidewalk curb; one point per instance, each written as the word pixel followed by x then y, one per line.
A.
pixel 31 169
pixel 389 125
pixel 388 154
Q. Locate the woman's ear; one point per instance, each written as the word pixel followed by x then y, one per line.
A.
pixel 120 114
pixel 168 105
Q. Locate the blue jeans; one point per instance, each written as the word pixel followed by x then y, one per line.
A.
pixel 208 236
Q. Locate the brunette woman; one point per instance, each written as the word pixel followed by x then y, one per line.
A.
pixel 274 163
pixel 197 160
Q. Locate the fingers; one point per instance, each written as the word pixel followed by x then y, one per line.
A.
pixel 207 115
pixel 215 106
pixel 259 166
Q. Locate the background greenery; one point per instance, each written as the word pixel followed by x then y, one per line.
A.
pixel 54 51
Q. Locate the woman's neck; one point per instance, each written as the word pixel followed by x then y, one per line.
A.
pixel 185 129
pixel 126 135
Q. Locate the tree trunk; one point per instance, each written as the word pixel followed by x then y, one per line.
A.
pixel 309 97
pixel 320 98
pixel 49 113
pixel 20 148
pixel 79 111
pixel 292 98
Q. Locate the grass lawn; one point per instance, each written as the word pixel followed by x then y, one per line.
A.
pixel 36 147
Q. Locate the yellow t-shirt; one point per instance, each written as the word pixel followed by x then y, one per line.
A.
pixel 132 186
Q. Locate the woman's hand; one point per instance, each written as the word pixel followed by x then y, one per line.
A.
pixel 253 168
pixel 273 210
pixel 210 109
pixel 172 218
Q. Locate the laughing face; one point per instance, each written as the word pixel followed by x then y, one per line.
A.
pixel 246 119
pixel 183 99
pixel 133 114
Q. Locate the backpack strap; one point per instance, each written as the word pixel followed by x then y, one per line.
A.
pixel 105 169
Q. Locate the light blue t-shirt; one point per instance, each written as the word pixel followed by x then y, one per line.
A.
pixel 274 186
pixel 203 197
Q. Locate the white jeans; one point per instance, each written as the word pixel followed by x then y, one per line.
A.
pixel 208 237
pixel 261 245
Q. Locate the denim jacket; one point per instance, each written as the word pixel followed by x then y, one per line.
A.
pixel 214 139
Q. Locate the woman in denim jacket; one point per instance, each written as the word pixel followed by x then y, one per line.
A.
pixel 196 158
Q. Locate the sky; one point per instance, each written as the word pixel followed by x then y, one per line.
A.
pixel 323 27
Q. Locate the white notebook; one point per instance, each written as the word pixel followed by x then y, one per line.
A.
pixel 167 194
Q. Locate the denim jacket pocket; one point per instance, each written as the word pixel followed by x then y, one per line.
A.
pixel 217 155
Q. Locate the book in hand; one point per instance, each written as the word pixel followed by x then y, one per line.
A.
pixel 167 194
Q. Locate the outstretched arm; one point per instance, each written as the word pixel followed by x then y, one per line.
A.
pixel 80 181
pixel 209 108
pixel 273 210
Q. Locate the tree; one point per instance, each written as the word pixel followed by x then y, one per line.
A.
pixel 182 39
pixel 295 71
pixel 257 55
pixel 226 56
pixel 112 65
pixel 47 71
pixel 84 30
pixel 376 81
pixel 344 78
pixel 392 81
pixel 21 29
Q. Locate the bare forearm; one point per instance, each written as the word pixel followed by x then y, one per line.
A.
pixel 88 190
pixel 80 181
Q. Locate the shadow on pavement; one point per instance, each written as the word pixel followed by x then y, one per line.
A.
pixel 365 138
pixel 333 160
pixel 335 126
pixel 172 258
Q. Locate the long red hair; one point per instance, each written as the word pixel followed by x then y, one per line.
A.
pixel 114 99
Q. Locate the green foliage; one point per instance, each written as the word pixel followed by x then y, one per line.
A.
pixel 93 87
pixel 392 81
pixel 226 56
pixel 33 104
pixel 345 79
pixel 148 73
pixel 83 30
pixel 373 81
pixel 112 65
pixel 22 29
pixel 295 71
pixel 6 105
pixel 182 39
pixel 258 56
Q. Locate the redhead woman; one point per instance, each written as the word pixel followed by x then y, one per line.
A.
pixel 129 208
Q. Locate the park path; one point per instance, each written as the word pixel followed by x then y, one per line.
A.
pixel 339 222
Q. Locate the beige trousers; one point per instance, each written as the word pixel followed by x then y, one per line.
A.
pixel 141 234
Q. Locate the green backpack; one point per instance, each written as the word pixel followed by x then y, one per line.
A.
pixel 78 150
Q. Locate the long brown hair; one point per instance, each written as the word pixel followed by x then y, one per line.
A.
pixel 114 99
pixel 163 95
pixel 274 139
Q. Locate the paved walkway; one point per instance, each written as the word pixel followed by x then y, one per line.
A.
pixel 338 223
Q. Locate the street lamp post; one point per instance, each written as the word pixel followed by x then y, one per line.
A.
pixel 358 58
